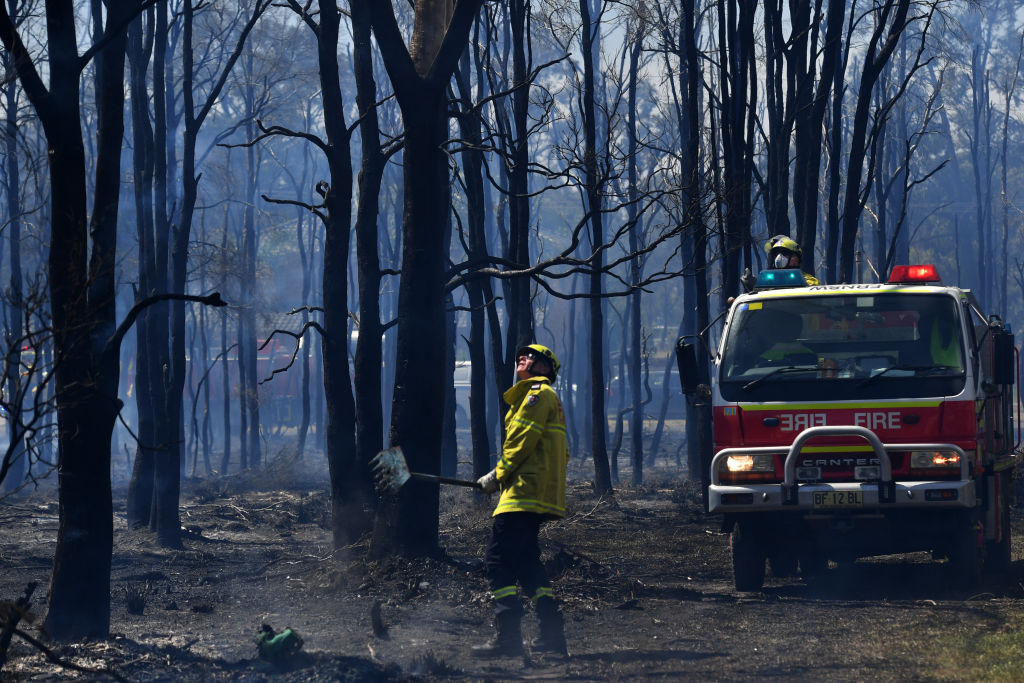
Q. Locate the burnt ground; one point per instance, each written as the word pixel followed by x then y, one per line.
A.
pixel 644 578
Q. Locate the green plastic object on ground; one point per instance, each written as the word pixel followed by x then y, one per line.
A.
pixel 277 648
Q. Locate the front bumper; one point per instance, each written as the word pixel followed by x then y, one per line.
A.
pixel 874 496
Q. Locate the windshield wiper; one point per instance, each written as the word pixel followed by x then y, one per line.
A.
pixel 777 371
pixel 907 368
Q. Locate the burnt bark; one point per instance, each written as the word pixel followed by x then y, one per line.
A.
pixel 348 497
pixel 15 460
pixel 369 416
pixel 807 143
pixel 890 22
pixel 479 290
pixel 420 81
pixel 736 117
pixel 82 286
pixel 594 208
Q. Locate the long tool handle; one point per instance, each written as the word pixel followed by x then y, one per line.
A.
pixel 444 480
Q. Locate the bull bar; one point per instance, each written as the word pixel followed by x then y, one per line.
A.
pixel 879 494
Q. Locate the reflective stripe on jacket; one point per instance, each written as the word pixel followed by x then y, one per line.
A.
pixel 531 470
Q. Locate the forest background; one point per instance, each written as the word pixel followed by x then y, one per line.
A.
pixel 301 226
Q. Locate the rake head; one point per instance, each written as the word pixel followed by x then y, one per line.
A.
pixel 390 469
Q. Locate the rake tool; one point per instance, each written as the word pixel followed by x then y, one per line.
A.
pixel 392 472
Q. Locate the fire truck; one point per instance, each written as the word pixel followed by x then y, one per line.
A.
pixel 860 420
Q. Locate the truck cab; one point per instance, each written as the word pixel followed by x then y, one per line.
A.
pixel 859 420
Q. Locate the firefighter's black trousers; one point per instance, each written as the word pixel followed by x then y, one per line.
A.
pixel 513 555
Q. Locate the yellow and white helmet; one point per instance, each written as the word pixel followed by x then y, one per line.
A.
pixel 548 355
pixel 782 242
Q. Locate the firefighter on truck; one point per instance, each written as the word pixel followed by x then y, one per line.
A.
pixel 859 420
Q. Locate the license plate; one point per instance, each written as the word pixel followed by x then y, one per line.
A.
pixel 838 499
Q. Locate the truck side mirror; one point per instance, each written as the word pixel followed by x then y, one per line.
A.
pixel 686 360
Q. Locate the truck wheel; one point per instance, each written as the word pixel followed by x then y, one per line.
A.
pixel 965 554
pixel 783 563
pixel 748 558
pixel 813 564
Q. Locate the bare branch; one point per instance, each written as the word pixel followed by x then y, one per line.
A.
pixel 310 324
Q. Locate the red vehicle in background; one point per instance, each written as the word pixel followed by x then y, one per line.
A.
pixel 859 420
pixel 278 376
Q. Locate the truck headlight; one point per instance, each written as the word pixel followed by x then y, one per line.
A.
pixel 925 460
pixel 750 463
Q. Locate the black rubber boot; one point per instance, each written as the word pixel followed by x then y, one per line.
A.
pixel 508 637
pixel 552 631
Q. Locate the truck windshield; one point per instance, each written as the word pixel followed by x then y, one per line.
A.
pixel 877 345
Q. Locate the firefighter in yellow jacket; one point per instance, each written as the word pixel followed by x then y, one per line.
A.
pixel 531 476
pixel 784 252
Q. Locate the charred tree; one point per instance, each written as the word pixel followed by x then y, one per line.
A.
pixel 15 459
pixel 369 353
pixel 808 141
pixel 890 21
pixel 166 518
pixel 419 76
pixel 478 290
pixel 82 294
pixel 152 351
pixel 633 324
pixel 737 82
pixel 520 316
pixel 594 208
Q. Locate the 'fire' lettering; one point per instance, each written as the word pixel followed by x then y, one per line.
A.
pixel 797 422
pixel 875 420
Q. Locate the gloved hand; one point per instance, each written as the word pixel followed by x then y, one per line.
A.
pixel 489 482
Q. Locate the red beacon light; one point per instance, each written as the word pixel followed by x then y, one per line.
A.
pixel 914 274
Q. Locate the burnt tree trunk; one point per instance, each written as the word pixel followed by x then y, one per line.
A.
pixel 420 76
pixel 15 463
pixel 594 207
pixel 808 142
pixel 82 288
pixel 636 422
pixel 369 415
pixel 875 59
pixel 348 496
pixel 478 289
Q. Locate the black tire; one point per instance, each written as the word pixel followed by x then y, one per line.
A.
pixel 813 564
pixel 748 557
pixel 965 554
pixel 783 563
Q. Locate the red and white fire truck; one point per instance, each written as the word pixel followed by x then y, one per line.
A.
pixel 859 420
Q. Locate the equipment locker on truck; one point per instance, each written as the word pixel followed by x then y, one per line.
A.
pixel 859 420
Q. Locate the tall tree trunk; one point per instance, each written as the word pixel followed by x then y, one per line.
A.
pixel 478 290
pixel 738 86
pixel 875 60
pixel 166 497
pixel 247 316
pixel 636 422
pixel 15 460
pixel 348 491
pixel 594 208
pixel 520 315
pixel 420 77
pixel 149 355
pixel 695 317
pixel 808 140
pixel 82 287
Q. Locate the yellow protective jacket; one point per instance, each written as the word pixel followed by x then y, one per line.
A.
pixel 531 470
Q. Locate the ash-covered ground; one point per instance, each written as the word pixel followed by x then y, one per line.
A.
pixel 644 578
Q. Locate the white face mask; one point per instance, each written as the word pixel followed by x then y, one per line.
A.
pixel 781 260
